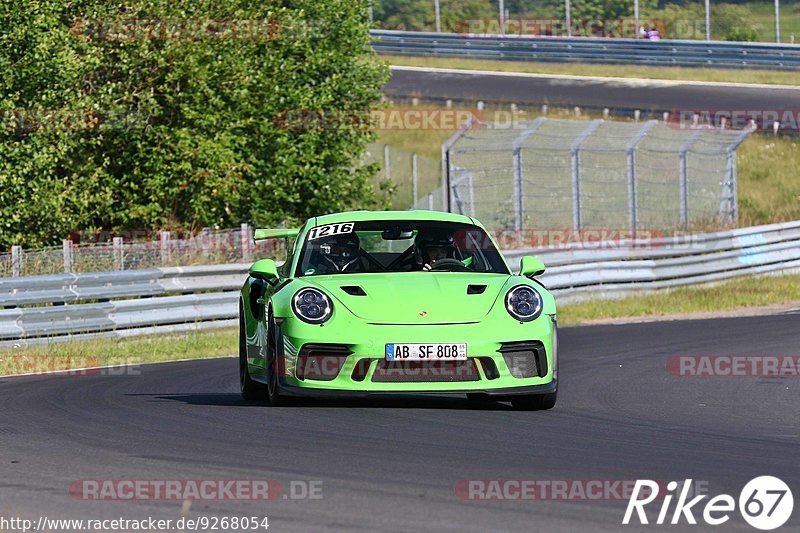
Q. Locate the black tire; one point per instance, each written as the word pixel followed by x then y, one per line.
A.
pixel 251 390
pixel 273 392
pixel 535 402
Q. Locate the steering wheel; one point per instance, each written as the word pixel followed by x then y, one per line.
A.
pixel 449 265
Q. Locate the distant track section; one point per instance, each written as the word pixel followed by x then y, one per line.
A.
pixel 619 94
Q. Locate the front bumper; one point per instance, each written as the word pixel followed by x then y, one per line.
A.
pixel 493 394
pixel 360 368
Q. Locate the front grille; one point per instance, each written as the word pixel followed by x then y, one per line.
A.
pixel 525 359
pixel 321 362
pixel 425 371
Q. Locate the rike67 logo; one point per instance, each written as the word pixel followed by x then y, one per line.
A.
pixel 765 503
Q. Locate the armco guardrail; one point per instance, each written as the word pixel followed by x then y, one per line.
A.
pixel 132 302
pixel 590 50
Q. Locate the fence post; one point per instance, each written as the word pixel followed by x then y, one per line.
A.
pixel 66 248
pixel 631 153
pixel 471 195
pixel 119 253
pixel 246 249
pixel 683 156
pixel 733 177
pixel 205 241
pixel 446 146
pixel 575 150
pixel 386 171
pixel 165 247
pixel 727 206
pixel 414 182
pixel 16 261
pixel 518 198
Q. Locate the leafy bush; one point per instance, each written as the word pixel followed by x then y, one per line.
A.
pixel 178 132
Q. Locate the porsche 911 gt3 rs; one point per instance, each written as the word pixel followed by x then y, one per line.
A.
pixel 396 302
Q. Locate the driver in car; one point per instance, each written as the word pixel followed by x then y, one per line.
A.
pixel 340 253
pixel 433 247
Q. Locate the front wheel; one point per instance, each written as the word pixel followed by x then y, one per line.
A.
pixel 273 362
pixel 535 402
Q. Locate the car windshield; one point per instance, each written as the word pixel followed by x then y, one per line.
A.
pixel 398 246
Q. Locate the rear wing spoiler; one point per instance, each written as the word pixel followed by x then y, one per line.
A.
pixel 276 233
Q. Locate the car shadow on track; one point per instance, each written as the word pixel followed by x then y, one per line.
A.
pixel 407 402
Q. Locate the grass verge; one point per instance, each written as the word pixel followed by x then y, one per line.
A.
pixel 40 358
pixel 773 77
pixel 735 295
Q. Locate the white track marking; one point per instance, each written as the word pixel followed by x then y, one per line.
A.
pixel 630 82
pixel 66 370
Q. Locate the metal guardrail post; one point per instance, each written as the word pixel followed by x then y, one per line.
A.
pixel 205 241
pixel 245 239
pixel 16 261
pixel 518 197
pixel 631 156
pixel 575 151
pixel 119 253
pixel 66 249
pixel 164 247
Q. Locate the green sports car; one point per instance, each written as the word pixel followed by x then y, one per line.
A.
pixel 396 302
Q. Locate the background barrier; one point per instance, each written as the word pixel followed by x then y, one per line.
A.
pixel 590 50
pixel 60 307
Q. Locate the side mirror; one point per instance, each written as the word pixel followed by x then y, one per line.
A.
pixel 265 269
pixel 531 266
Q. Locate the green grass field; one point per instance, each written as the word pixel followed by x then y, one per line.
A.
pixel 762 15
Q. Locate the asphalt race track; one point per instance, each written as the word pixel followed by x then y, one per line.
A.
pixel 618 94
pixel 394 464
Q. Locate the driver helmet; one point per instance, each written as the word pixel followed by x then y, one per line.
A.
pixel 340 250
pixel 434 246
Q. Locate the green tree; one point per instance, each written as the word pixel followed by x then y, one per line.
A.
pixel 187 130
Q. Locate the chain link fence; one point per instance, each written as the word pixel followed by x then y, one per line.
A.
pixel 552 173
pixel 165 248
pixel 410 175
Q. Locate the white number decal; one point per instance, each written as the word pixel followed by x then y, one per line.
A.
pixel 330 230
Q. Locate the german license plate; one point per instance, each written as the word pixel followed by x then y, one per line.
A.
pixel 426 352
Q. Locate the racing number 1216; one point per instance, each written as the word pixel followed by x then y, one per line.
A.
pixel 329 230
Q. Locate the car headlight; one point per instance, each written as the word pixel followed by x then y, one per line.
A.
pixel 524 303
pixel 312 306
